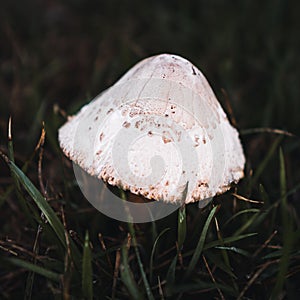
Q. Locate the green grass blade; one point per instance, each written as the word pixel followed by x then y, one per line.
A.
pixel 29 285
pixel 144 277
pixel 181 226
pixel 225 256
pixel 234 249
pixel 245 211
pixel 35 268
pixel 200 245
pixel 220 263
pixel 274 254
pixel 264 195
pixel 246 225
pixel 46 209
pixel 40 202
pixel 25 208
pixel 264 163
pixel 228 240
pixel 30 277
pixel 153 252
pixel 293 190
pixel 282 177
pixel 19 195
pixel 87 272
pixel 11 188
pixel 287 231
pixel 141 267
pixel 170 278
pixel 128 278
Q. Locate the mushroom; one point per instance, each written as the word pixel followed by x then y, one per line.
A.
pixel 159 132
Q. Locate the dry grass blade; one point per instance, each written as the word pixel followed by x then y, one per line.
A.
pixel 77 239
pixel 9 129
pixel 41 139
pixel 266 130
pixel 11 246
pixel 251 281
pixel 68 254
pixel 265 244
pixel 224 253
pixel 254 277
pixel 68 261
pixel 229 107
pixel 58 110
pixel 116 273
pixel 41 148
pixel 128 244
pixel 212 277
pixel 103 246
pixel 160 290
pixel 87 271
pixel 8 250
pixel 246 199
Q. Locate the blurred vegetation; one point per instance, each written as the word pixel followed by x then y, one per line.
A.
pixel 63 53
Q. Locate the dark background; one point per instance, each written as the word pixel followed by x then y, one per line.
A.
pixel 67 52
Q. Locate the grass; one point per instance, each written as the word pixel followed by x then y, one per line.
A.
pixel 54 244
pixel 234 238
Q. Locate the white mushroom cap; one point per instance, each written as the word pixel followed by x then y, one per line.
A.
pixel 155 130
